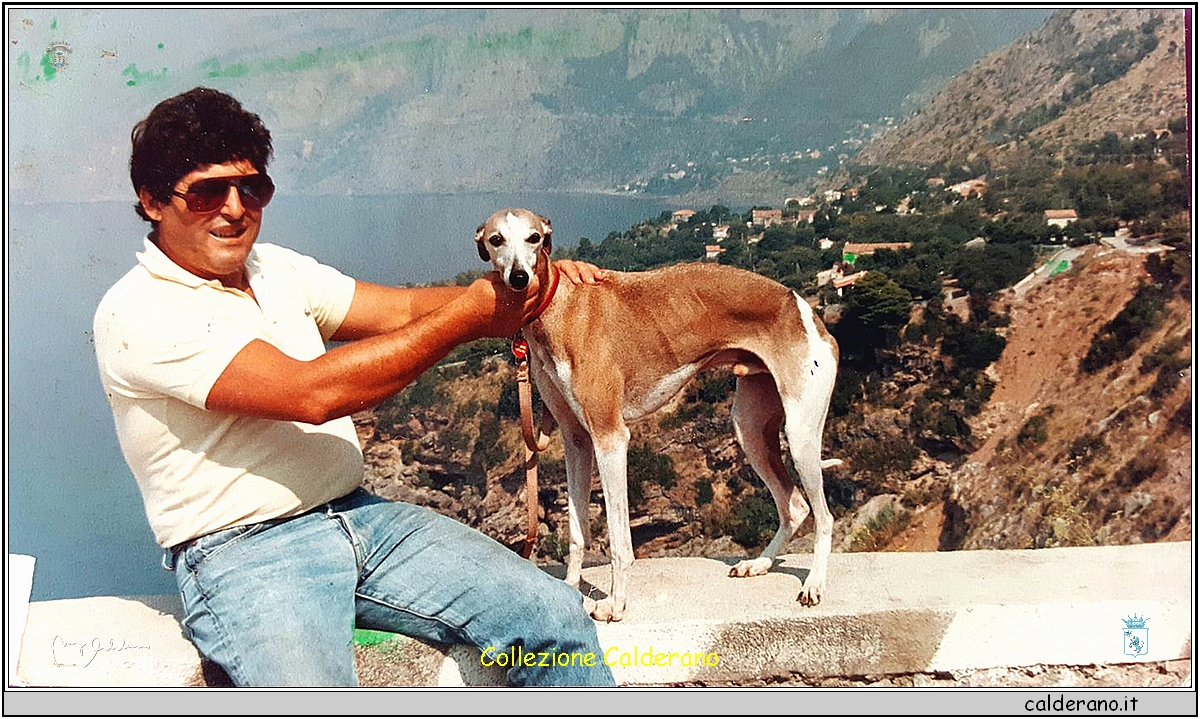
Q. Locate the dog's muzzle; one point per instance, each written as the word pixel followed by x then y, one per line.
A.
pixel 518 279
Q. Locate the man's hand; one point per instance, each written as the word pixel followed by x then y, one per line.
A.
pixel 502 310
pixel 507 311
pixel 581 273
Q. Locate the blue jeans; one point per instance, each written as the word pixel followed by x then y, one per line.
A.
pixel 276 603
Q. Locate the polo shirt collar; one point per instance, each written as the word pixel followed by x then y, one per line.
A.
pixel 156 262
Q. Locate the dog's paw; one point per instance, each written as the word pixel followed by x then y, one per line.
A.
pixel 751 567
pixel 606 610
pixel 810 596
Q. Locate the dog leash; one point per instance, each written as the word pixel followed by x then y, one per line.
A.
pixel 537 439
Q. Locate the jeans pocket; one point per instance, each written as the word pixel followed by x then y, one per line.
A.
pixel 206 546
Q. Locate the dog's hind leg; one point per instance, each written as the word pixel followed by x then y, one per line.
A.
pixel 757 416
pixel 612 462
pixel 804 426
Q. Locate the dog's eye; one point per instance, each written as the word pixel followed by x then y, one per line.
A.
pixel 496 240
pixel 534 238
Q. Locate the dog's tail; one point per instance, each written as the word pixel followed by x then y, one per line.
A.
pixel 827 463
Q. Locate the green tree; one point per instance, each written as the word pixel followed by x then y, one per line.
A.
pixel 874 310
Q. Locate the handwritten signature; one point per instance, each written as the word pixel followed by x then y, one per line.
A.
pixel 88 650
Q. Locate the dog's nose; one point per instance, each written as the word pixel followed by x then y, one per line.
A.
pixel 518 279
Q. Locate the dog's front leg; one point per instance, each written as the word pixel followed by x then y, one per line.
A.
pixel 577 448
pixel 611 459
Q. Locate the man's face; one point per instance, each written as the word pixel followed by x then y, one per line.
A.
pixel 211 245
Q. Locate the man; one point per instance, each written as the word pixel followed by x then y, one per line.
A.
pixel 235 421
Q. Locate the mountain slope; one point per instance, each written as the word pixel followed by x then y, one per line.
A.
pixel 379 101
pixel 1077 458
pixel 1085 73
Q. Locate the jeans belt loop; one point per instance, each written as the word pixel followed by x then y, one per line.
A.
pixel 170 554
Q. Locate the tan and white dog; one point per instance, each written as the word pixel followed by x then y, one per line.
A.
pixel 605 355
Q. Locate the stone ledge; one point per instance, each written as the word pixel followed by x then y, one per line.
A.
pixel 883 614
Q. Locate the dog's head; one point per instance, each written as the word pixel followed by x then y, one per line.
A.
pixel 511 241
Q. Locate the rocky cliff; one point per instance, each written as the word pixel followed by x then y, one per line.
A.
pixel 1087 72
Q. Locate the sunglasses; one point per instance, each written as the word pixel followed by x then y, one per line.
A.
pixel 210 195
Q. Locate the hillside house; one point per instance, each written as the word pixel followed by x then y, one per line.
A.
pixel 1060 218
pixel 680 217
pixel 766 218
pixel 836 272
pixel 862 249
pixel 833 195
pixel 806 216
pixel 711 252
pixel 841 283
pixel 977 186
pixel 838 277
pixel 721 232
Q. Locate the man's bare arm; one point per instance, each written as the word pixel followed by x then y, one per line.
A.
pixel 377 309
pixel 262 381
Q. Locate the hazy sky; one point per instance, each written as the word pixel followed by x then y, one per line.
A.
pixel 77 120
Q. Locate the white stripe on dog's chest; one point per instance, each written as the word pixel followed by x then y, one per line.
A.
pixel 557 371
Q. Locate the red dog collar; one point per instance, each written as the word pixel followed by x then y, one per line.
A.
pixel 549 296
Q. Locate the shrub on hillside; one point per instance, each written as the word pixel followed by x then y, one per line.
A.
pixel 874 310
pixel 991 269
pixel 651 466
pixel 754 520
pixel 1084 449
pixel 1139 469
pixel 972 346
pixel 554 547
pixel 1118 339
pixel 879 457
pixel 1035 431
pixel 876 532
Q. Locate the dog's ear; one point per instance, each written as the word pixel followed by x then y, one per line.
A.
pixel 483 254
pixel 547 231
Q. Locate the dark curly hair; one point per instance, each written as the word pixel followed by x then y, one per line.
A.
pixel 197 128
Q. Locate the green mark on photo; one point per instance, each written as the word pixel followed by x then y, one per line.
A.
pixel 48 70
pixel 137 77
pixel 371 637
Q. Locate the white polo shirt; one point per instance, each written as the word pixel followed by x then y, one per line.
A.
pixel 164 336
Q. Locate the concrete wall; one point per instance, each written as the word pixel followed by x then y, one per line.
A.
pixel 883 614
